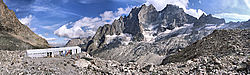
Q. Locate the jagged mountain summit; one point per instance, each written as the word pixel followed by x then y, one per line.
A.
pixel 142 24
pixel 14 35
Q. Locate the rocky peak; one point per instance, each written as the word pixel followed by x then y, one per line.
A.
pixel 147 15
pixel 208 19
pixel 142 21
pixel 173 13
pixel 203 16
pixel 172 9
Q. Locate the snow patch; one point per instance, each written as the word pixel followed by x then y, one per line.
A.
pixel 211 26
pixel 148 36
pixel 167 32
pixel 125 38
pixel 149 32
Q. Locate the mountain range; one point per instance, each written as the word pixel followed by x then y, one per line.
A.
pixel 149 36
pixel 146 41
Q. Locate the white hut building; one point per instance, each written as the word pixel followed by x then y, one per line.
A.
pixel 51 52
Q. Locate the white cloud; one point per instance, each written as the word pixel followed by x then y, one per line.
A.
pixel 65 1
pixel 40 8
pixel 161 4
pixel 48 39
pixel 51 27
pixel 122 11
pixel 85 1
pixel 247 2
pixel 200 1
pixel 26 20
pixel 230 3
pixel 90 25
pixel 195 13
pixel 233 16
pixel 73 32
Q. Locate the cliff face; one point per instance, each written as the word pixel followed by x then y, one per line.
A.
pixel 14 35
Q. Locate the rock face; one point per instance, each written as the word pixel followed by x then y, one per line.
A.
pixel 142 22
pixel 220 43
pixel 161 32
pixel 14 35
pixel 99 39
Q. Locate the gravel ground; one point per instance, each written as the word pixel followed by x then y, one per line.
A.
pixel 15 63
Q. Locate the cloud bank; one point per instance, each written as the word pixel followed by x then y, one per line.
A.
pixel 87 26
pixel 233 16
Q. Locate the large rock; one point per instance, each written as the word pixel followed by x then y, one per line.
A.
pixel 14 35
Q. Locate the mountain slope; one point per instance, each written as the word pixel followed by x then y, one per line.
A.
pixel 219 43
pixel 14 35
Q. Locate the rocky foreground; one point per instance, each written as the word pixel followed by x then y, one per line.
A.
pixel 222 52
pixel 15 62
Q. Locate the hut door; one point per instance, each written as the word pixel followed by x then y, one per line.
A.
pixel 49 54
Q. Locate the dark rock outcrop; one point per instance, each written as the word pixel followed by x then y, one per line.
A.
pixel 218 44
pixel 175 15
pixel 14 35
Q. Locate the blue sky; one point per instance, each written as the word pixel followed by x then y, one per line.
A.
pixel 59 20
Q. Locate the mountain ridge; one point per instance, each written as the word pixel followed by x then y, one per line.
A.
pixel 138 22
pixel 148 36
